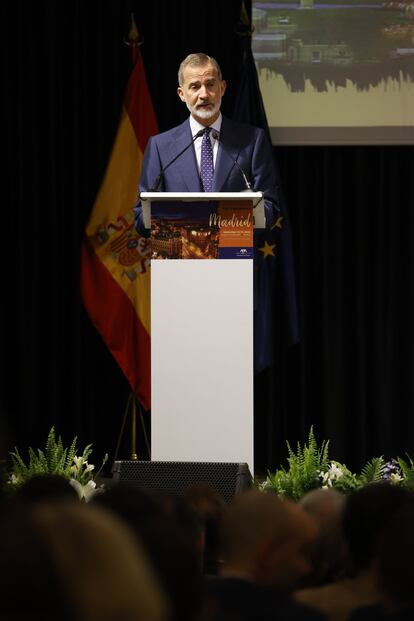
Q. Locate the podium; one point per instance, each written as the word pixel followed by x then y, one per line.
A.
pixel 202 324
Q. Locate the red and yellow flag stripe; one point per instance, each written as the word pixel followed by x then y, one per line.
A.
pixel 115 259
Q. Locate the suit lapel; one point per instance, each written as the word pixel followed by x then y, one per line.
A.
pixel 225 155
pixel 186 165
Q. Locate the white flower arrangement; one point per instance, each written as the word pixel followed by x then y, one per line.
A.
pixel 60 461
pixel 310 467
pixel 87 491
pixel 330 476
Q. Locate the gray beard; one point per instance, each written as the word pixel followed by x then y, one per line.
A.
pixel 204 114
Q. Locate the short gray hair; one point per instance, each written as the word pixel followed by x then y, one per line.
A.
pixel 197 60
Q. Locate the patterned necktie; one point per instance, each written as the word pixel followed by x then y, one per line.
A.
pixel 206 163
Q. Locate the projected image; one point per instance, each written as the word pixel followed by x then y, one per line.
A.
pixel 353 60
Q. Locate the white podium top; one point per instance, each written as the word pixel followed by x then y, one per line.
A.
pixel 207 196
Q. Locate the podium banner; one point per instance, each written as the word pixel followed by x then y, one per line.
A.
pixel 218 229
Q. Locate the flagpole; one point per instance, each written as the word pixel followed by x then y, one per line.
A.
pixel 134 455
pixel 133 42
pixel 135 405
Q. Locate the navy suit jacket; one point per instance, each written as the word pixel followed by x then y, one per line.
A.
pixel 247 144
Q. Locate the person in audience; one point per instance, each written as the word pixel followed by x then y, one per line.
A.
pixel 170 532
pixel 394 571
pixel 46 487
pixel 69 561
pixel 396 564
pixel 209 505
pixel 367 513
pixel 264 544
pixel 328 554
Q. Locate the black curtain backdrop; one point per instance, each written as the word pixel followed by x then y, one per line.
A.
pixel 64 68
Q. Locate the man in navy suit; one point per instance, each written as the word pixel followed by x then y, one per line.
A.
pixel 242 154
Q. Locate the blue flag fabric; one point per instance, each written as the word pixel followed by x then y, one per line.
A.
pixel 275 305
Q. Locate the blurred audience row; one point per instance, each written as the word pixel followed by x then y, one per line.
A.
pixel 135 555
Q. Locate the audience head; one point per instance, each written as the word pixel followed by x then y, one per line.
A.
pixel 327 554
pixel 169 531
pixel 367 513
pixel 29 580
pixel 65 560
pixel 266 538
pixel 43 487
pixel 396 554
pixel 209 505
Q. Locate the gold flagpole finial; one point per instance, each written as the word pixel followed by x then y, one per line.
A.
pixel 133 40
pixel 133 35
pixel 244 25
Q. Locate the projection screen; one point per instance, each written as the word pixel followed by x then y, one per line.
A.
pixel 339 72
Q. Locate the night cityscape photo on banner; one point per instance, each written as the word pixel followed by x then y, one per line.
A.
pixel 336 72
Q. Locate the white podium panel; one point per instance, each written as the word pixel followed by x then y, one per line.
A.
pixel 202 360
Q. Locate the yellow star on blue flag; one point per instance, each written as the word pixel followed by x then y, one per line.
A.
pixel 267 250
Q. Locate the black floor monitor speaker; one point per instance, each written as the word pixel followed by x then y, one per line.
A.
pixel 174 476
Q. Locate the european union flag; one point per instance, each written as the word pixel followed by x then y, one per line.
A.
pixel 275 306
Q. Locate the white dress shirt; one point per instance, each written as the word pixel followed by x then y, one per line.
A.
pixel 195 127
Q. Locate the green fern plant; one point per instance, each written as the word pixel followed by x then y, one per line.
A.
pixel 304 468
pixel 310 467
pixel 54 459
pixel 407 471
pixel 373 471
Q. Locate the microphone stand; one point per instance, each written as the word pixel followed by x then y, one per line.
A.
pixel 246 181
pixel 158 180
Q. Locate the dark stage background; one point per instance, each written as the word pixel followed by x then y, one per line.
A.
pixel 64 68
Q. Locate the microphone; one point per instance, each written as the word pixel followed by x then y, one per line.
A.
pixel 155 185
pixel 247 183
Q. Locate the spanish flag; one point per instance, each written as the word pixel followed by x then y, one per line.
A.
pixel 115 273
